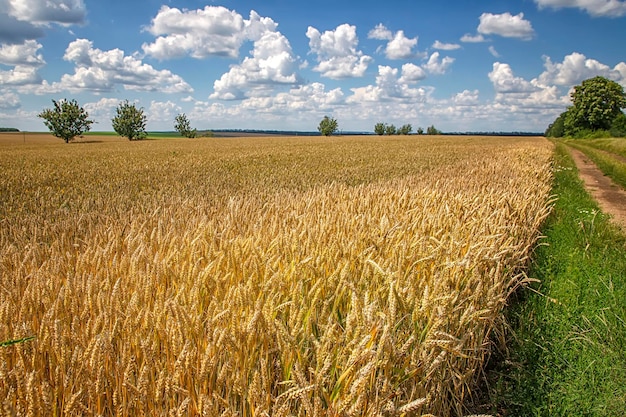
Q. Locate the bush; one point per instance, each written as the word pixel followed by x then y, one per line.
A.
pixel 591 134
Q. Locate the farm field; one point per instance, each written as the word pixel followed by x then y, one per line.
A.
pixel 260 276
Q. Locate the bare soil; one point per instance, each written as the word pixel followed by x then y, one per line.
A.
pixel 610 197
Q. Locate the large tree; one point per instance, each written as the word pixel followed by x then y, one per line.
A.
pixel 596 102
pixel 66 119
pixel 129 121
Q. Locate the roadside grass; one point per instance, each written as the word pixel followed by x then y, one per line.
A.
pixel 613 145
pixel 608 164
pixel 567 354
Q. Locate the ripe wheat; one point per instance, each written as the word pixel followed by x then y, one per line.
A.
pixel 345 276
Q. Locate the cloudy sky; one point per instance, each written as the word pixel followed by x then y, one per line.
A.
pixel 462 65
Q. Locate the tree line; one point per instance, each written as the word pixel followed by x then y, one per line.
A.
pixel 390 129
pixel 595 111
pixel 329 126
pixel 67 120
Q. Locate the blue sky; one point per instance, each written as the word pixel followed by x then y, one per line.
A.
pixel 463 65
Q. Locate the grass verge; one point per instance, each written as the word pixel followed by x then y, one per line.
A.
pixel 613 145
pixel 567 354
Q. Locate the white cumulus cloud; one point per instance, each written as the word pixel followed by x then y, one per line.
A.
pixel 504 81
pixel 99 70
pixel 436 65
pixel 47 11
pixel 597 8
pixel 102 111
pixel 20 76
pixel 576 67
pixel 9 101
pixel 469 38
pixel 303 99
pixel 411 73
pixel 21 54
pixel 163 111
pixel 391 85
pixel 272 63
pixel 506 25
pixel 381 33
pixel 337 53
pixel 22 20
pixel 466 98
pixel 400 47
pixel 212 31
pixel 446 46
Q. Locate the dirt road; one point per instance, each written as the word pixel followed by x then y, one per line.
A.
pixel 610 197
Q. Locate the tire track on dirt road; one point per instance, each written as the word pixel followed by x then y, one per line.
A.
pixel 610 197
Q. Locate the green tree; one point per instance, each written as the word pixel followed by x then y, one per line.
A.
pixel 66 119
pixel 596 102
pixel 182 126
pixel 328 126
pixel 130 121
pixel 432 130
pixel 379 129
pixel 406 129
pixel 557 128
pixel 618 127
pixel 420 130
pixel 390 130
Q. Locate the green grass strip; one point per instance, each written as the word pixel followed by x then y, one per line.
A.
pixel 613 145
pixel 567 355
pixel 611 167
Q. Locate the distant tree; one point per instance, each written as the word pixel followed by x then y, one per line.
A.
pixel 379 129
pixel 328 126
pixel 557 128
pixel 130 121
pixel 432 130
pixel 182 126
pixel 66 119
pixel 420 131
pixel 406 129
pixel 390 130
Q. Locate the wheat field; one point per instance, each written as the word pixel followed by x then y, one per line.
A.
pixel 342 276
